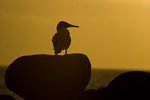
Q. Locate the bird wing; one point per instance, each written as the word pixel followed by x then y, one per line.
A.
pixel 55 41
pixel 61 41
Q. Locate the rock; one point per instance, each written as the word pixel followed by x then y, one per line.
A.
pixel 6 97
pixel 130 85
pixel 88 95
pixel 49 76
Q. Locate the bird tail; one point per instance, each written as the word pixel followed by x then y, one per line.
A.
pixel 57 51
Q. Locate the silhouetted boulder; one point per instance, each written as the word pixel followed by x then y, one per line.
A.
pixel 102 94
pixel 128 86
pixel 49 76
pixel 6 97
pixel 88 95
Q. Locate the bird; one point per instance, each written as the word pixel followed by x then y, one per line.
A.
pixel 61 40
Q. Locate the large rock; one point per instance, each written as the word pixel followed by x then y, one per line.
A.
pixel 132 85
pixel 48 76
pixel 6 97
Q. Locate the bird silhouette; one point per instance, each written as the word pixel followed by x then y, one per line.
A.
pixel 61 40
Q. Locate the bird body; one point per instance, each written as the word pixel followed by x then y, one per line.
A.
pixel 61 40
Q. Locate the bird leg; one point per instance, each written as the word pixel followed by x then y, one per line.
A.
pixel 65 51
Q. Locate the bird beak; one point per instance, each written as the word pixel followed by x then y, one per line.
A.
pixel 73 26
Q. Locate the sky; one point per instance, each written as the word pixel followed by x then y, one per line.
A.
pixel 114 34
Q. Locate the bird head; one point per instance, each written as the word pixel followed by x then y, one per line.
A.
pixel 64 25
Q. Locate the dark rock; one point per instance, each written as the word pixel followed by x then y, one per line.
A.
pixel 88 95
pixel 49 76
pixel 6 97
pixel 102 93
pixel 131 85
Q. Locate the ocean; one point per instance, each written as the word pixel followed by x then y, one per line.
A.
pixel 99 78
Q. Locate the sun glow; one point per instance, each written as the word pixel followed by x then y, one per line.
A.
pixel 114 34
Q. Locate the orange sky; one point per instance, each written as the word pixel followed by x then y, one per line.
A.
pixel 114 34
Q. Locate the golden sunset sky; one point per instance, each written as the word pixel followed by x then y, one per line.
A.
pixel 114 34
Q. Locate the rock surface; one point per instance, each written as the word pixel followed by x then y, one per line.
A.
pixel 6 97
pixel 132 85
pixel 49 76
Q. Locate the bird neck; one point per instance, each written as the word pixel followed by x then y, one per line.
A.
pixel 61 29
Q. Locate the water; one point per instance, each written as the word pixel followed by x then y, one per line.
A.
pixel 99 78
